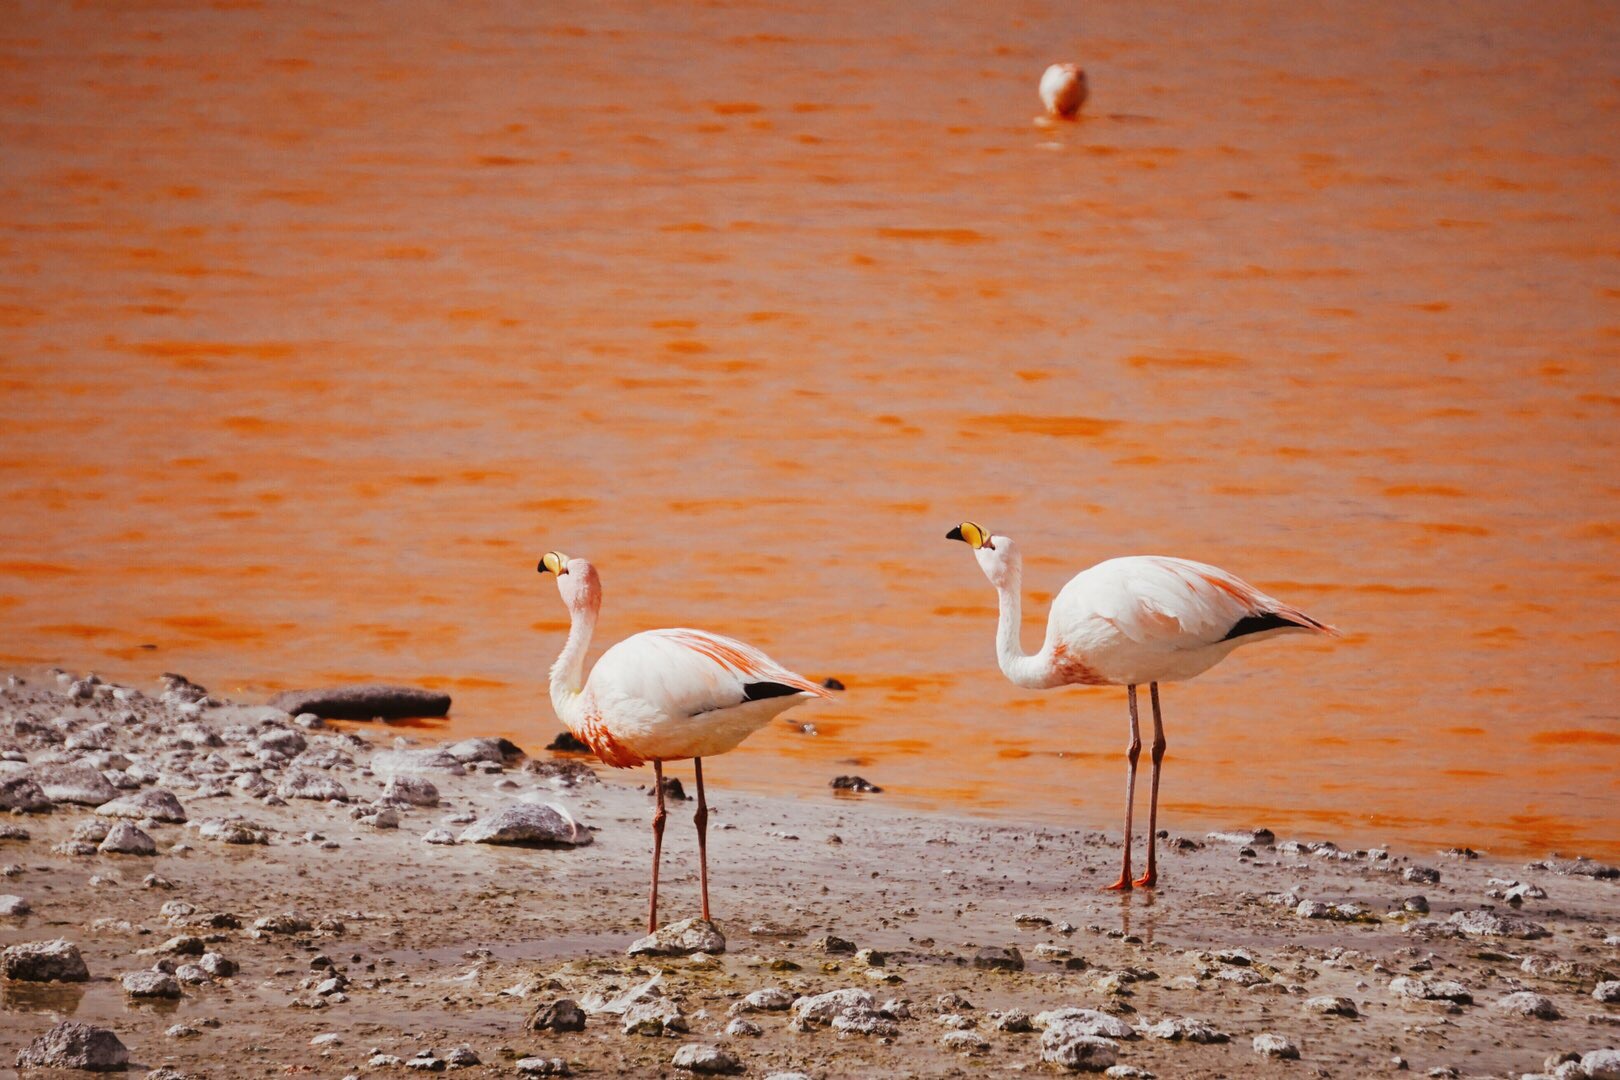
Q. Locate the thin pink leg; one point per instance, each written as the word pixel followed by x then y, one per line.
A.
pixel 1151 877
pixel 1132 752
pixel 658 845
pixel 702 819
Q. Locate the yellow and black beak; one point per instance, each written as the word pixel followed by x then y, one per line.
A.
pixel 553 562
pixel 971 534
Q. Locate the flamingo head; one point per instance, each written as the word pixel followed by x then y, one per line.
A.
pixel 997 555
pixel 576 580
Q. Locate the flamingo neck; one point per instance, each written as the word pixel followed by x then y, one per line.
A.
pixel 568 673
pixel 1023 670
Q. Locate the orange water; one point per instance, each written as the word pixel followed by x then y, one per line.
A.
pixel 319 327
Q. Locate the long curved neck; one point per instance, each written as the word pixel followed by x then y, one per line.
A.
pixel 568 673
pixel 1029 672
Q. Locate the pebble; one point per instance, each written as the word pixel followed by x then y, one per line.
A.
pixel 14 906
pixel 745 1028
pixel 1185 1028
pixel 1430 990
pixel 1527 1004
pixel 1601 1064
pixel 1607 992
pixel 1078 1053
pixel 1085 1022
pixel 75 782
pixel 154 804
pixel 410 791
pixel 999 958
pixel 125 839
pixel 22 793
pixel 1421 875
pixel 1490 924
pixel 71 1045
pixel 1269 1044
pixel 151 984
pixel 561 1015
pixel 823 1008
pixel 539 1066
pixel 530 824
pixel 439 836
pixel 769 999
pixel 854 783
pixel 705 1060
pixel 302 784
pixel 655 1018
pixel 964 1042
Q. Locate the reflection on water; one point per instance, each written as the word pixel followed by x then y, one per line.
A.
pixel 59 999
pixel 314 331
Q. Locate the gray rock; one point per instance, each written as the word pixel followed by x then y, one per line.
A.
pixel 1490 924
pixel 74 783
pixel 1270 1044
pixel 1085 1022
pixel 1016 1021
pixel 531 824
pixel 1601 1064
pixel 822 1008
pixel 426 1062
pixel 302 784
pixel 13 906
pixel 157 804
pixel 679 938
pixel 768 999
pixel 498 751
pixel 561 1015
pixel 1430 990
pixel 1527 1004
pixel 1077 1053
pixel 655 1018
pixel 151 984
pixel 462 1057
pixel 92 831
pixel 1332 1006
pixel 281 742
pixel 22 792
pixel 438 836
pixel 72 1045
pixel 8 831
pixel 744 1028
pixel 125 839
pixel 861 1020
pixel 1416 904
pixel 410 791
pixel 217 965
pixel 286 922
pixel 964 1042
pixel 384 817
pixel 232 831
pixel 1607 991
pixel 1185 1028
pixel 363 701
pixel 1244 837
pixel 705 1060
pixel 539 1066
pixel 44 961
pixel 394 762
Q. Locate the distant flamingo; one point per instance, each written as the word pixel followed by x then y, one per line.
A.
pixel 1143 619
pixel 1064 90
pixel 662 695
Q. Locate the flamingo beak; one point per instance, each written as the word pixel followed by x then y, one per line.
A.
pixel 956 534
pixel 553 562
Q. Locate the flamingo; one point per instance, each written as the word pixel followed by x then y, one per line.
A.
pixel 1064 90
pixel 1140 619
pixel 662 695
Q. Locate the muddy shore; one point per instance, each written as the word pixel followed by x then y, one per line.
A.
pixel 309 929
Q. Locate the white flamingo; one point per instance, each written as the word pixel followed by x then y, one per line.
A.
pixel 662 695
pixel 1064 90
pixel 1142 619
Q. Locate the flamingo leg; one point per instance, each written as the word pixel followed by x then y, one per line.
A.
pixel 658 844
pixel 1132 752
pixel 1151 877
pixel 702 819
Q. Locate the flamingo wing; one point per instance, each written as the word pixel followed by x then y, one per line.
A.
pixel 682 672
pixel 1166 602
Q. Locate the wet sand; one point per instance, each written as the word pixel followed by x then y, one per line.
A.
pixel 450 945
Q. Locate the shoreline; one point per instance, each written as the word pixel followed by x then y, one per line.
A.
pixel 437 945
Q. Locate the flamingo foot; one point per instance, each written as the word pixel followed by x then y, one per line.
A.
pixel 1148 880
pixel 1122 885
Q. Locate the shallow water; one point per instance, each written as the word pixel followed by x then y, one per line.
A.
pixel 317 330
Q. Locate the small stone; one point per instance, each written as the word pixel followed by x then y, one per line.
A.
pixel 385 818
pixel 1269 1044
pixel 1601 1064
pixel 232 831
pixel 1085 1022
pixel 705 1060
pixel 539 1066
pixel 531 824
pixel 1417 904
pixel 680 939
pixel 1078 1053
pixel 823 1008
pixel 15 906
pixel 1421 875
pixel 385 1061
pixel 439 836
pixel 76 782
pixel 561 1015
pixel 1430 990
pixel 426 1062
pixel 1185 1028
pixel 769 999
pixel 303 784
pixel 125 839
pixel 21 794
pixel 1490 924
pixel 655 1018
pixel 1332 1006
pixel 44 961
pixel 1527 1004
pixel 964 1042
pixel 1607 992
pixel 154 804
pixel 835 945
pixel 854 783
pixel 410 791
pixel 151 984
pixel 72 1045
pixel 287 922
pixel 745 1028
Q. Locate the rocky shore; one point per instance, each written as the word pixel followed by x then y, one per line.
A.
pixel 198 888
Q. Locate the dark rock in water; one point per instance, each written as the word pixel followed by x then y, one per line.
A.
pixel 830 683
pixel 155 803
pixel 568 744
pixel 44 961
pixel 22 793
pixel 563 1014
pixel 672 789
pixel 999 958
pixel 75 1046
pixel 363 702
pixel 532 824
pixel 854 783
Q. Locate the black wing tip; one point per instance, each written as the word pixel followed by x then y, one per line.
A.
pixel 1259 624
pixel 759 691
